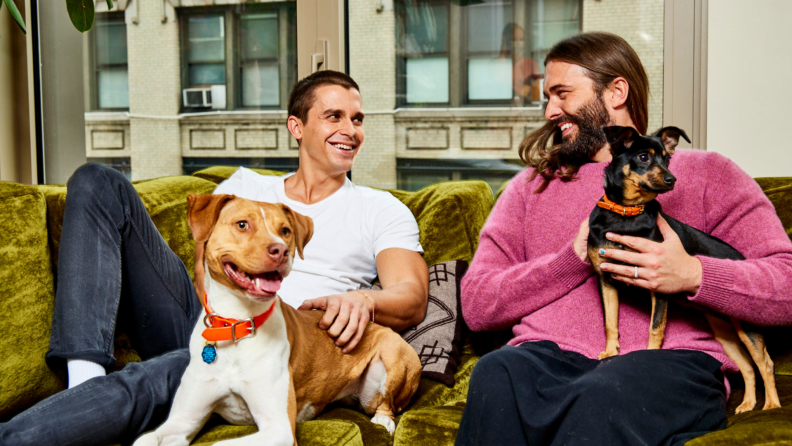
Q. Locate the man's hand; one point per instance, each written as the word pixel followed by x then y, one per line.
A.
pixel 581 241
pixel 345 319
pixel 662 267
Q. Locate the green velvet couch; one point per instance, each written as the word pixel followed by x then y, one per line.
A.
pixel 450 216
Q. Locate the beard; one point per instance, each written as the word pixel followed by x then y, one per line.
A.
pixel 590 138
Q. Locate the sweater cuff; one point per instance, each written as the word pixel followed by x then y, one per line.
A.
pixel 717 278
pixel 568 269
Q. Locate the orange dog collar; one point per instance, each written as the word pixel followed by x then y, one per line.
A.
pixel 627 211
pixel 225 329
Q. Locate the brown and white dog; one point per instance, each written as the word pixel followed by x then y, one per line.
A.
pixel 286 369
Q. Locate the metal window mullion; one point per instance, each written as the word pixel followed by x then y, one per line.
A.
pixel 184 39
pixel 282 59
pixel 231 58
pixel 455 42
pixel 92 92
pixel 96 68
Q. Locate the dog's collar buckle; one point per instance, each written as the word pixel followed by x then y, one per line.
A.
pixel 251 329
pixel 208 319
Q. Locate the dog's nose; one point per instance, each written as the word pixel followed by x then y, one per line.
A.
pixel 669 179
pixel 276 251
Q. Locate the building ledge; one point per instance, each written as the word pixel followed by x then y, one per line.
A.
pixel 105 116
pixel 523 114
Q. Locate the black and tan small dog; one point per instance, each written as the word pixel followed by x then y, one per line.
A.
pixel 633 179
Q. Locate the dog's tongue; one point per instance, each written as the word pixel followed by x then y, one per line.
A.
pixel 267 283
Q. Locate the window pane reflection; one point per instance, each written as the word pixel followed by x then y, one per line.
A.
pixel 113 88
pixel 427 80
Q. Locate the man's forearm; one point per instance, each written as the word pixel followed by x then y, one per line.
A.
pixel 400 305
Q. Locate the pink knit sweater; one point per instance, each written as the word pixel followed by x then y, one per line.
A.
pixel 526 275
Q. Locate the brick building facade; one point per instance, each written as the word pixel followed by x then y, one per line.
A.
pixel 158 136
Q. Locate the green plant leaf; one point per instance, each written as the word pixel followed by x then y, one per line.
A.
pixel 16 15
pixel 81 13
pixel 109 4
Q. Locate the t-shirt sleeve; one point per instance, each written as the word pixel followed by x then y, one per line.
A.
pixel 395 226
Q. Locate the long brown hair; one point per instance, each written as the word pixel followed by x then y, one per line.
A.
pixel 605 57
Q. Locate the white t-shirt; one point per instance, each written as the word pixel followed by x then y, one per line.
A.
pixel 351 227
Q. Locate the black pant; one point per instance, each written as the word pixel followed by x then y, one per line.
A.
pixel 114 268
pixel 538 394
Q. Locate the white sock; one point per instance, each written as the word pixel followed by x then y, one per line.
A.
pixel 81 370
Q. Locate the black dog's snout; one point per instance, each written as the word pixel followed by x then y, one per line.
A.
pixel 669 179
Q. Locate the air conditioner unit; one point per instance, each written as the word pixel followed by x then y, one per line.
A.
pixel 197 97
pixel 205 97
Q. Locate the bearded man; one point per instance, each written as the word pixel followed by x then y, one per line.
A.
pixel 531 274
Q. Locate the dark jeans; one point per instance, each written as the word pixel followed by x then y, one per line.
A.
pixel 538 394
pixel 114 269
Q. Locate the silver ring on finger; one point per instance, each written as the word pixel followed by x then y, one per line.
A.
pixel 636 273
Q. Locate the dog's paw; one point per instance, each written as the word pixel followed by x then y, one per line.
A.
pixel 771 405
pixel 745 406
pixel 606 354
pixel 609 351
pixel 385 421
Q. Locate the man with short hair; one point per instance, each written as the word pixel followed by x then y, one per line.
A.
pixel 531 274
pixel 113 262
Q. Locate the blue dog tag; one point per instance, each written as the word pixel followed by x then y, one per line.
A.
pixel 209 353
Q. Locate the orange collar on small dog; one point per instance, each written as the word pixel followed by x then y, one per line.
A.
pixel 224 329
pixel 627 211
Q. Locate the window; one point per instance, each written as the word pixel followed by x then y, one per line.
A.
pixel 206 54
pixel 425 53
pixel 259 60
pixel 484 53
pixel 111 73
pixel 249 50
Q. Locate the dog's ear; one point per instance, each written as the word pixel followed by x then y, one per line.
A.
pixel 302 227
pixel 620 138
pixel 202 213
pixel 670 137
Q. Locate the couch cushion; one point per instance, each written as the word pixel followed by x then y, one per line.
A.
pixel 757 427
pixel 372 434
pixel 435 426
pixel 450 214
pixel 779 191
pixel 313 433
pixel 26 299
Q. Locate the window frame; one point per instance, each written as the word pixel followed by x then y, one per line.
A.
pixel 232 16
pixel 286 60
pixel 401 63
pixel 229 28
pixel 93 88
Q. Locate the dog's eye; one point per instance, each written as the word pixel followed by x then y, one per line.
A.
pixel 242 225
pixel 285 231
pixel 643 157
